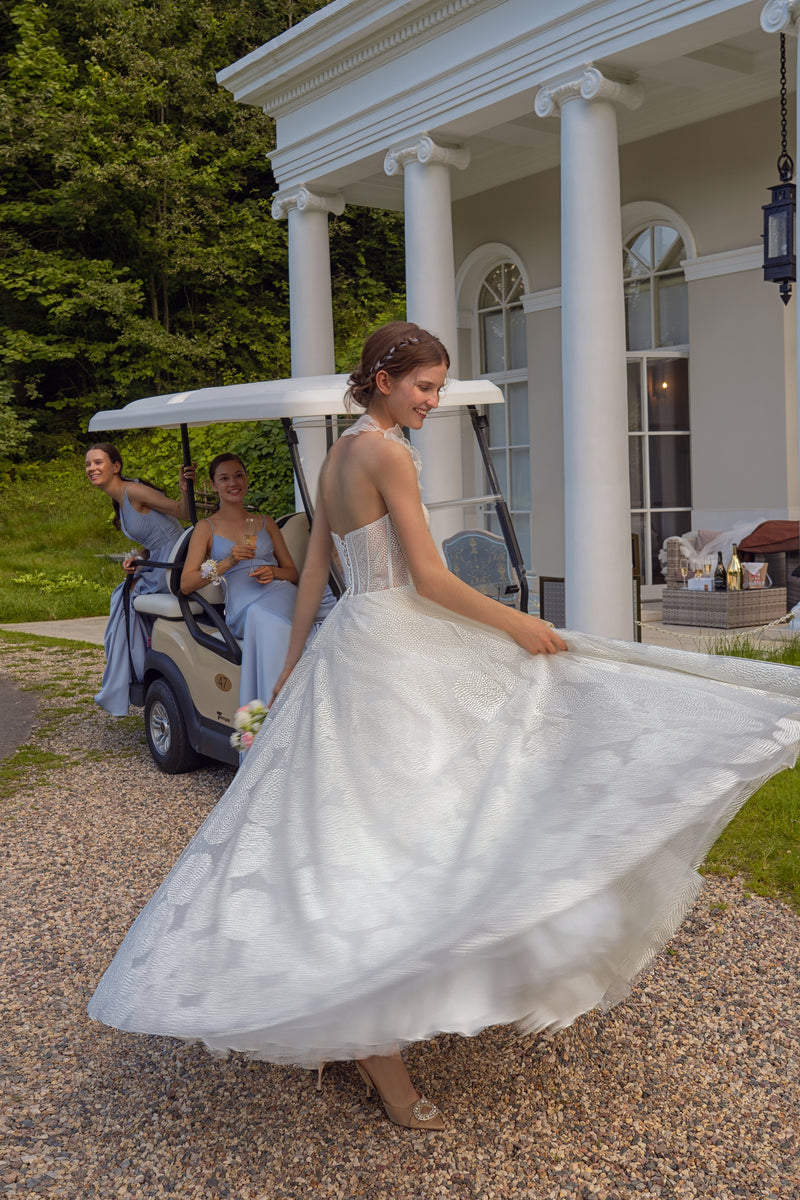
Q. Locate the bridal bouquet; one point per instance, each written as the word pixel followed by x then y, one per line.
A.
pixel 247 722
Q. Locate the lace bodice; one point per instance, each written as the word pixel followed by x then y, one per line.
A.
pixel 371 556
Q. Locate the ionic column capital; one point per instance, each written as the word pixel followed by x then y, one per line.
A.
pixel 303 200
pixel 589 84
pixel 424 150
pixel 780 16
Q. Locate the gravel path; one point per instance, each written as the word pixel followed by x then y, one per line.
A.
pixel 689 1089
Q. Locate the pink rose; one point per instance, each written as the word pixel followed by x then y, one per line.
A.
pixel 247 740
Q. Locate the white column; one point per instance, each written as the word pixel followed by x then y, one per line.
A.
pixel 596 483
pixel 431 303
pixel 310 305
pixel 783 16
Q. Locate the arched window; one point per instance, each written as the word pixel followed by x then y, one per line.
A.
pixel 657 330
pixel 504 359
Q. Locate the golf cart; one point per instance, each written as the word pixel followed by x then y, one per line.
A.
pixel 189 687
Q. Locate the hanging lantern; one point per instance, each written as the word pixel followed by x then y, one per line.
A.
pixel 779 249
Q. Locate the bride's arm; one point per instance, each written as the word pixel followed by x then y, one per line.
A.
pixel 392 471
pixel 313 578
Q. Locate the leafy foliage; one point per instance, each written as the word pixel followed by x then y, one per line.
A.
pixel 15 431
pixel 139 252
pixel 261 447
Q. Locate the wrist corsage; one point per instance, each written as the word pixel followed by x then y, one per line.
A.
pixel 209 571
pixel 247 721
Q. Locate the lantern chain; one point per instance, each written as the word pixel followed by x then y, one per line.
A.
pixel 785 162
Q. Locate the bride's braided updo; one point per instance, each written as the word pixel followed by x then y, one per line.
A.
pixel 396 348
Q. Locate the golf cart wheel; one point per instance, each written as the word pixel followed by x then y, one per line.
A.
pixel 166 731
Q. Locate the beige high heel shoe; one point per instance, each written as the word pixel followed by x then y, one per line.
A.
pixel 419 1115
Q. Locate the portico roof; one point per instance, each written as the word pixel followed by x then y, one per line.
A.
pixel 359 76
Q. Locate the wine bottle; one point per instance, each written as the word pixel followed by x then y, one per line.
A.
pixel 734 572
pixel 720 574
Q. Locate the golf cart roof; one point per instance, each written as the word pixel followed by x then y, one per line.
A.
pixel 313 396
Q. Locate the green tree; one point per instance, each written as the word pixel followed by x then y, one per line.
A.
pixel 138 251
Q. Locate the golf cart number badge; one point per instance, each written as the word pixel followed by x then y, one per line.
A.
pixel 223 683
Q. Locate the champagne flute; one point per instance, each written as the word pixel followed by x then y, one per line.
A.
pixel 684 566
pixel 251 524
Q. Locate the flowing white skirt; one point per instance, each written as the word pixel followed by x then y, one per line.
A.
pixel 436 832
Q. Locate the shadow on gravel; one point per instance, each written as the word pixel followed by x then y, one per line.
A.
pixel 17 716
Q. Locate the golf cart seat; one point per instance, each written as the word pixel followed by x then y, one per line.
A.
pixel 296 532
pixel 167 604
pixel 480 558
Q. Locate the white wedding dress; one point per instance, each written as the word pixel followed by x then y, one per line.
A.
pixel 435 831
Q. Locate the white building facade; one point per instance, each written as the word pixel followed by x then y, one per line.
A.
pixel 582 187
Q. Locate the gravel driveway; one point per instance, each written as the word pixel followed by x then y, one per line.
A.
pixel 689 1089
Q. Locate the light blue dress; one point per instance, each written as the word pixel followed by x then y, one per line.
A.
pixel 158 533
pixel 261 615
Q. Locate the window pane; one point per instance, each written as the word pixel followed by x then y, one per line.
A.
pixel 520 479
pixel 673 311
pixel 499 460
pixel 637 315
pixel 640 246
pixel 517 402
pixel 670 482
pixel 636 471
pixel 513 283
pixel 494 357
pixel 632 266
pixel 664 240
pixel 518 350
pixel 634 395
pixel 497 424
pixel 493 287
pixel 668 393
pixel 637 527
pixel 663 526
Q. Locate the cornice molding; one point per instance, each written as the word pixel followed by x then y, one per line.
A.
pixel 392 41
pixel 304 200
pixel 780 16
pixel 589 84
pixel 424 150
pixel 729 262
pixel 535 302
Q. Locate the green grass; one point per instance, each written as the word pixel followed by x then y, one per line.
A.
pixel 55 534
pixel 743 645
pixel 762 843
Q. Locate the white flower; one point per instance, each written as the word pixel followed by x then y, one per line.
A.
pixel 247 721
pixel 241 718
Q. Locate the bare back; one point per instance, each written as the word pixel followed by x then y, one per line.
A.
pixel 349 497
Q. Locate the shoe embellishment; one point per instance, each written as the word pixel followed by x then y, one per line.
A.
pixel 423 1110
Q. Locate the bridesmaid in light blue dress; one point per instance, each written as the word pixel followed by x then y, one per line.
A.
pixel 153 520
pixel 258 574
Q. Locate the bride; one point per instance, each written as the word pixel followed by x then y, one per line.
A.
pixel 454 816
